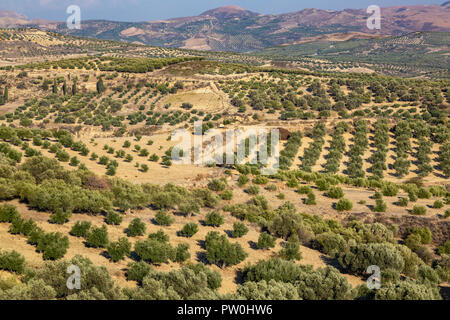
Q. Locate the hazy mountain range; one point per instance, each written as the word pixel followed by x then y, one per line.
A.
pixel 232 28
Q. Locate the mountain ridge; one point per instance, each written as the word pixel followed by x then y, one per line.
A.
pixel 232 28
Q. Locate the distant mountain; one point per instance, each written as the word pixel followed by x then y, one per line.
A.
pixel 232 28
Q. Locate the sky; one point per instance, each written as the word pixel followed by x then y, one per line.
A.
pixel 144 10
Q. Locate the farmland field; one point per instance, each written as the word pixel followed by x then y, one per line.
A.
pixel 87 175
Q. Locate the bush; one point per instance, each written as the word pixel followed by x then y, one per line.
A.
pixel 407 290
pixel 438 204
pixel 221 252
pixel 330 243
pixel 8 213
pixel 214 219
pixel 389 190
pixel 154 251
pixel 358 258
pixel 270 290
pixel 227 195
pixel 114 218
pixel 60 217
pixel 53 245
pixel 445 248
pixel 344 205
pixel 159 236
pixel 413 241
pixel 311 199
pixel 12 261
pixel 97 237
pixel 217 185
pixel 137 271
pixel 380 206
pixel 81 229
pixel 304 190
pixel 189 230
pixel 253 190
pixel 119 250
pixel 136 228
pixel 265 241
pixel 182 253
pixel 402 202
pixel 423 232
pixel 260 180
pixel 243 180
pixel 162 218
pixel 419 211
pixel 335 193
pixel 239 230
pixel 320 284
pixel 291 250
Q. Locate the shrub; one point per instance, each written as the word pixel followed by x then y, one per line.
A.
pixel 81 229
pixel 53 245
pixel 189 230
pixel 98 237
pixel 380 206
pixel 114 218
pixel 407 290
pixel 60 217
pixel 413 241
pixel 271 187
pixel 311 199
pixel 402 202
pixel 335 193
pixel 322 184
pixel 154 251
pixel 260 180
pixel 320 284
pixel 270 290
pixel 304 190
pixel 291 250
pixel 243 180
pixel 253 190
pixel 8 213
pixel 445 248
pixel 419 210
pixel 137 271
pixel 389 190
pixel 217 185
pixel 239 230
pixel 344 205
pixel 438 204
pixel 221 252
pixel 159 236
pixel 361 256
pixel 227 195
pixel 162 218
pixel 423 232
pixel 214 219
pixel 12 261
pixel 136 228
pixel 265 241
pixel 446 214
pixel 119 250
pixel 330 243
pixel 182 253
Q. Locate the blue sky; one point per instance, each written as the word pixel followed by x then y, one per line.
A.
pixel 142 10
